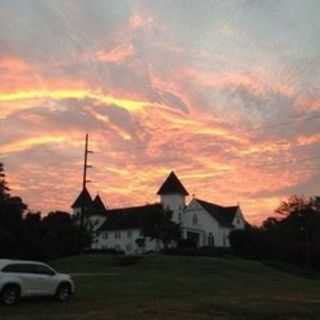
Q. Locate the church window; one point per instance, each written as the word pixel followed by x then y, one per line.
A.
pixel 224 240
pixel 129 234
pixel 105 235
pixel 195 219
pixel 117 235
pixel 211 240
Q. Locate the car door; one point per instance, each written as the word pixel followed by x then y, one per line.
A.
pixel 46 279
pixel 19 271
pixel 26 273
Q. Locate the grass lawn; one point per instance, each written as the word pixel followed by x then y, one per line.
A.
pixel 162 287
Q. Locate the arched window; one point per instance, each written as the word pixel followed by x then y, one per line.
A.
pixel 195 219
pixel 224 240
pixel 211 240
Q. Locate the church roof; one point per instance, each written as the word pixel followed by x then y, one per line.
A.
pixel 129 218
pixel 172 185
pixel 224 215
pixel 98 204
pixel 84 199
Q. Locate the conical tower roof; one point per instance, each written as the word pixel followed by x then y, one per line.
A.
pixel 172 185
pixel 84 200
pixel 98 204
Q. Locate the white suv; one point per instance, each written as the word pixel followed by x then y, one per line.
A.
pixel 29 278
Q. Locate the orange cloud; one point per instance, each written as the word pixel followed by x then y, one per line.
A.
pixel 307 140
pixel 137 21
pixel 117 55
pixel 14 65
pixel 105 119
pixel 25 144
pixel 307 104
pixel 258 82
pixel 127 104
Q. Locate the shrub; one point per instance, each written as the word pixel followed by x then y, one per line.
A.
pixel 124 261
pixel 110 251
pixel 198 252
pixel 186 243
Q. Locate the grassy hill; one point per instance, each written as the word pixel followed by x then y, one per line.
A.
pixel 161 287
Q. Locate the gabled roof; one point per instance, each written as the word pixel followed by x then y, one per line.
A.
pixel 129 218
pixel 84 199
pixel 172 185
pixel 98 204
pixel 224 215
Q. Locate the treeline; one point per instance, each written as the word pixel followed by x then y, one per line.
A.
pixel 28 235
pixel 292 236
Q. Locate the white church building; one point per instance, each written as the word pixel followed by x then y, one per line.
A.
pixel 205 223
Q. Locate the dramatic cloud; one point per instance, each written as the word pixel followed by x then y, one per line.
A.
pixel 226 93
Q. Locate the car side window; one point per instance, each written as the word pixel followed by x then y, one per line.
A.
pixel 28 268
pixel 40 269
pixel 13 268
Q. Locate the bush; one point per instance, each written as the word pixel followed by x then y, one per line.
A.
pixel 150 252
pixel 186 243
pixel 124 261
pixel 104 251
pixel 198 252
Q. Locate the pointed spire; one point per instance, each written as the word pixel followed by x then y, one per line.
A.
pixel 84 199
pixel 98 204
pixel 172 185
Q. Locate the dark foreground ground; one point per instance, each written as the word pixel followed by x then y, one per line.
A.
pixel 161 287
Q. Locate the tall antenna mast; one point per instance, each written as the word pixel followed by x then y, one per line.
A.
pixel 85 163
pixel 84 184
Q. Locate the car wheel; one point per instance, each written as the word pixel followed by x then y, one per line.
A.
pixel 63 293
pixel 10 294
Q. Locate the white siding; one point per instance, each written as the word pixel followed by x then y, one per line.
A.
pixel 206 225
pixel 125 240
pixel 238 221
pixel 176 203
pixel 96 221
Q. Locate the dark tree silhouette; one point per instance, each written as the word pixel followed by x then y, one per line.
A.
pixel 159 225
pixel 292 236
pixel 4 189
pixel 29 235
pixel 301 226
pixel 11 214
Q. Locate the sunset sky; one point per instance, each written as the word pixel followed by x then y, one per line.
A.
pixel 225 93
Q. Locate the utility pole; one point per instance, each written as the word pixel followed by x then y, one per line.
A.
pixel 84 183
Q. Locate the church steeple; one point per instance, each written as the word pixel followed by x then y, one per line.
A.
pixel 172 185
pixel 173 196
pixel 98 204
pixel 83 200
